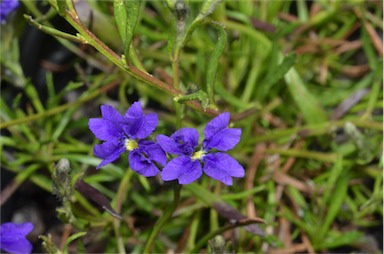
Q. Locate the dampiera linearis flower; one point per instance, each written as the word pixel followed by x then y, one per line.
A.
pixel 127 133
pixel 6 7
pixel 13 237
pixel 190 164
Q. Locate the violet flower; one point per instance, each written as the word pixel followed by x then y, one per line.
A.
pixel 6 7
pixel 127 133
pixel 13 237
pixel 190 164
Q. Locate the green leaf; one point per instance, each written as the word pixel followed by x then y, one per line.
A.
pixel 311 109
pixel 368 47
pixel 275 74
pixel 71 239
pixel 199 95
pixel 61 6
pixel 338 198
pixel 214 62
pixel 207 197
pixel 337 239
pixel 126 16
pixel 334 174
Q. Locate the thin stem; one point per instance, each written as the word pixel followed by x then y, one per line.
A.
pixel 92 40
pixel 163 219
pixel 121 195
pixel 120 241
pixel 176 85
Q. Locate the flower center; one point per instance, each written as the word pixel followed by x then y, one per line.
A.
pixel 198 155
pixel 130 144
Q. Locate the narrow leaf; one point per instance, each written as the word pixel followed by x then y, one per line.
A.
pixel 126 16
pixel 199 95
pixel 276 74
pixel 214 61
pixel 309 106
pixel 334 204
pixel 96 196
pixel 61 6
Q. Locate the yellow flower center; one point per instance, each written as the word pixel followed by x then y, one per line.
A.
pixel 131 144
pixel 198 155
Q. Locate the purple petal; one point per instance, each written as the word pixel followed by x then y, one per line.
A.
pixel 13 237
pixel 104 129
pixel 142 164
pixel 148 125
pixel 223 140
pixel 110 113
pixel 222 167
pixel 6 7
pixel 182 168
pixel 109 151
pixel 138 125
pixel 168 144
pixel 135 111
pixel 218 123
pixel 182 142
pixel 153 151
pixel 108 127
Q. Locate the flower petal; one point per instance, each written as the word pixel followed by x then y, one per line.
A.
pixel 138 125
pixel 141 163
pixel 148 125
pixel 108 126
pixel 182 168
pixel 16 230
pixel 109 151
pixel 104 129
pixel 222 167
pixel 154 151
pixel 216 124
pixel 135 111
pixel 223 140
pixel 168 144
pixel 16 245
pixel 181 142
pixel 110 113
pixel 13 237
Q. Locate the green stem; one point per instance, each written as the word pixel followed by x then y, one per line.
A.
pixel 121 195
pixel 163 219
pixel 120 241
pixel 176 85
pixel 72 18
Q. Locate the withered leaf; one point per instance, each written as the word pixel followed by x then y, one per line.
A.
pixel 96 196
pixel 236 217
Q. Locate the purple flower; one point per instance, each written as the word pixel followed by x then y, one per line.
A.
pixel 7 6
pixel 13 237
pixel 126 133
pixel 190 164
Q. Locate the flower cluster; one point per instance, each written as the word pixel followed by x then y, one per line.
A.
pixel 129 133
pixel 13 237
